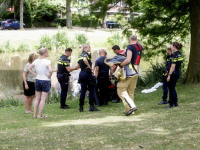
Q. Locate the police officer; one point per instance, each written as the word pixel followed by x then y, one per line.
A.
pixel 63 76
pixel 102 75
pixel 174 74
pixel 165 72
pixel 86 78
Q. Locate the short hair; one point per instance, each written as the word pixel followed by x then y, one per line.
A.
pixel 102 50
pixel 133 38
pixel 68 50
pixel 41 51
pixel 116 47
pixel 32 57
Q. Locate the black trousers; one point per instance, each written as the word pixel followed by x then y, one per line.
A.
pixel 173 100
pixel 103 83
pixel 64 88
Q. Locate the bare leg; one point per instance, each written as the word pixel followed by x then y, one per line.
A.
pixel 42 103
pixel 26 103
pixel 31 101
pixel 36 103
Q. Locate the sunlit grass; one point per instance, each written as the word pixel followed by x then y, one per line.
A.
pixel 151 127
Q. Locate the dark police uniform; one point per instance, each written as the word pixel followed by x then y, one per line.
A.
pixel 85 78
pixel 177 59
pixel 103 80
pixel 165 71
pixel 63 77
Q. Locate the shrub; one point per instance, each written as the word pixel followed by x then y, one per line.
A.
pixel 23 47
pixel 6 47
pixel 81 39
pixel 116 39
pixel 10 101
pixel 153 75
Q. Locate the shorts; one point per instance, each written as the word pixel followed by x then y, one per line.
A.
pixel 31 89
pixel 43 85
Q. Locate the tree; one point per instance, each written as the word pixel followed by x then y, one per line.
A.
pixel 165 21
pixel 68 14
pixel 21 14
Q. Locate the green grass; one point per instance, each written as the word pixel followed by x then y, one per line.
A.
pixel 152 127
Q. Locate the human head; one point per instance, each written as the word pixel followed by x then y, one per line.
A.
pixel 102 52
pixel 176 46
pixel 85 47
pixel 133 38
pixel 116 49
pixel 68 52
pixel 32 57
pixel 169 50
pixel 43 52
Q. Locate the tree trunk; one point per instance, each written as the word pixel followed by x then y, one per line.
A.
pixel 193 71
pixel 68 14
pixel 21 13
pixel 131 16
pixel 104 21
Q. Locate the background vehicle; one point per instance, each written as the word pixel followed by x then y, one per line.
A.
pixel 11 24
pixel 112 24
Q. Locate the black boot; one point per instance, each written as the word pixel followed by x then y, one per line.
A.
pixel 164 101
pixel 92 108
pixel 170 106
pixel 81 108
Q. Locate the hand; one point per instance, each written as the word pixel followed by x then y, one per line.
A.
pixel 48 76
pixel 26 86
pixel 89 68
pixel 168 78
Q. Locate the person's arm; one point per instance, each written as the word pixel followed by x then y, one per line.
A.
pixel 171 71
pixel 96 71
pixel 139 43
pixel 30 69
pixel 70 69
pixel 128 58
pixel 86 62
pixel 24 79
pixel 50 71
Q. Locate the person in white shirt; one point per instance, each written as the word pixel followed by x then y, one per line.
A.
pixel 43 84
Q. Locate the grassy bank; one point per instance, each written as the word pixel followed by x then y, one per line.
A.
pixel 151 127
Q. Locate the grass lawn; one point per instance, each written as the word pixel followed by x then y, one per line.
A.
pixel 151 127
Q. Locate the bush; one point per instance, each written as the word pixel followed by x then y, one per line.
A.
pixel 23 47
pixel 60 21
pixel 81 39
pixel 44 14
pixel 116 39
pixel 10 101
pixel 7 15
pixel 152 76
pixel 6 47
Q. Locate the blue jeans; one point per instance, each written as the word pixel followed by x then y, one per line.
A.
pixel 64 88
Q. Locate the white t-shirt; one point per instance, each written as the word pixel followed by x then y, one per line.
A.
pixel 41 67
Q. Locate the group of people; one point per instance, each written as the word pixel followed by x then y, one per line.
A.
pixel 125 62
pixel 171 74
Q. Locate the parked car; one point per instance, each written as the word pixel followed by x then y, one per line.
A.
pixel 112 24
pixel 11 24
